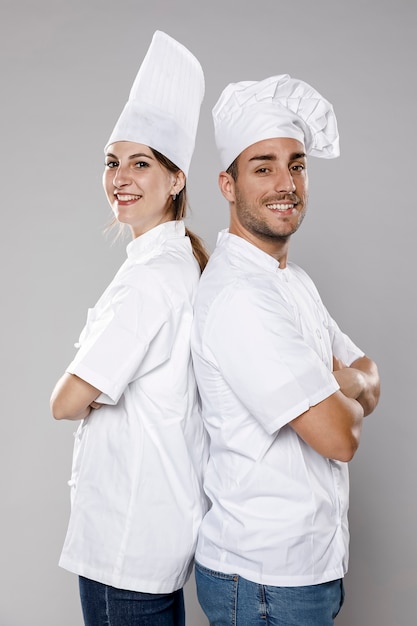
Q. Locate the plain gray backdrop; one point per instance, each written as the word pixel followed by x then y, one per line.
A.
pixel 66 70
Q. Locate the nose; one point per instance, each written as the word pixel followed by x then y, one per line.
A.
pixel 284 182
pixel 121 177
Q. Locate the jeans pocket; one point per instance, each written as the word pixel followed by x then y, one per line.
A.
pixel 217 595
pixel 210 572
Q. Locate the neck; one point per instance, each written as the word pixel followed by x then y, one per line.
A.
pixel 277 247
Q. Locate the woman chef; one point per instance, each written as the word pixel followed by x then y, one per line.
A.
pixel 136 487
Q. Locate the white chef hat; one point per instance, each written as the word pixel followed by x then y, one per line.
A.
pixel 279 106
pixel 164 102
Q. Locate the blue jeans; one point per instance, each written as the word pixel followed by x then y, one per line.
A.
pixel 230 600
pixel 107 606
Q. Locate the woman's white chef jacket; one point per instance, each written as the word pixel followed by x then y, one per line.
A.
pixel 136 496
pixel 262 346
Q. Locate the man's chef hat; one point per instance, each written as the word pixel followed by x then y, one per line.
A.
pixel 164 102
pixel 279 106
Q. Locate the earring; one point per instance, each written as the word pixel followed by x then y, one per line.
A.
pixel 174 196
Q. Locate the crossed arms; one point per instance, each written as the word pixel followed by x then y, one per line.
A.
pixel 333 426
pixel 73 398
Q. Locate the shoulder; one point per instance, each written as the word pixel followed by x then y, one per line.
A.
pixel 228 297
pixel 304 278
pixel 172 269
pixel 299 272
pixel 153 291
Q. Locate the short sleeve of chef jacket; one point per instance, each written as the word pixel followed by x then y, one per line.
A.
pixel 114 347
pixel 342 346
pixel 251 336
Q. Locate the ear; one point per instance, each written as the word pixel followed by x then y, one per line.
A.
pixel 227 186
pixel 178 182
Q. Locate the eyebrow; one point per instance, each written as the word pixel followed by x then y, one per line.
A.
pixel 132 156
pixel 272 157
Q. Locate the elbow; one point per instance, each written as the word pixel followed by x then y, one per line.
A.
pixel 347 454
pixel 57 409
pixel 57 414
pixel 347 451
pixel 62 411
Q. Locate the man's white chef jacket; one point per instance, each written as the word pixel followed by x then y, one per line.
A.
pixel 262 347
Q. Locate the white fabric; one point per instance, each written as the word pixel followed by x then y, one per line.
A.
pixel 279 106
pixel 262 345
pixel 136 492
pixel 164 102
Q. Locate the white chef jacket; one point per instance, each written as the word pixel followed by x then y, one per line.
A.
pixel 262 346
pixel 136 485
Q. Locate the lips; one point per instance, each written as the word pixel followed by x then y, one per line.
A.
pixel 126 197
pixel 280 207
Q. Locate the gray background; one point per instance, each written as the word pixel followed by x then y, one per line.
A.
pixel 66 68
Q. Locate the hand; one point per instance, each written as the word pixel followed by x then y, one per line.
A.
pixel 351 381
pixel 359 381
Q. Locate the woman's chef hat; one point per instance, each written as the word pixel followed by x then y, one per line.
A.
pixel 164 102
pixel 279 106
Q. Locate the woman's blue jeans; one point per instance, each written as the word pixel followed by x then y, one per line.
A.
pixel 230 600
pixel 103 605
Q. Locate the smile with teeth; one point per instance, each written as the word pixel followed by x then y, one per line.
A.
pixel 280 207
pixel 126 197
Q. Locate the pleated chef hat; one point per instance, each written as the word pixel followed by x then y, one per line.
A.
pixel 164 102
pixel 279 106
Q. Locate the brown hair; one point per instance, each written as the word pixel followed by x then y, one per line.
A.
pixel 180 209
pixel 232 170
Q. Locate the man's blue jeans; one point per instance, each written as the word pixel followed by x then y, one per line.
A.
pixel 107 606
pixel 230 600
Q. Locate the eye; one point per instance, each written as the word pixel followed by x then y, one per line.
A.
pixel 111 164
pixel 140 164
pixel 262 170
pixel 297 167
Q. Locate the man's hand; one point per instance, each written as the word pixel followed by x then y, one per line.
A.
pixel 351 381
pixel 359 381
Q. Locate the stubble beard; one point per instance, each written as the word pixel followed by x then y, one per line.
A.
pixel 255 224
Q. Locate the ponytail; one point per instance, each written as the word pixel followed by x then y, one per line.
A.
pixel 199 249
pixel 180 209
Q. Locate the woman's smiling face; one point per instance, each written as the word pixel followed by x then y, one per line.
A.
pixel 138 187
